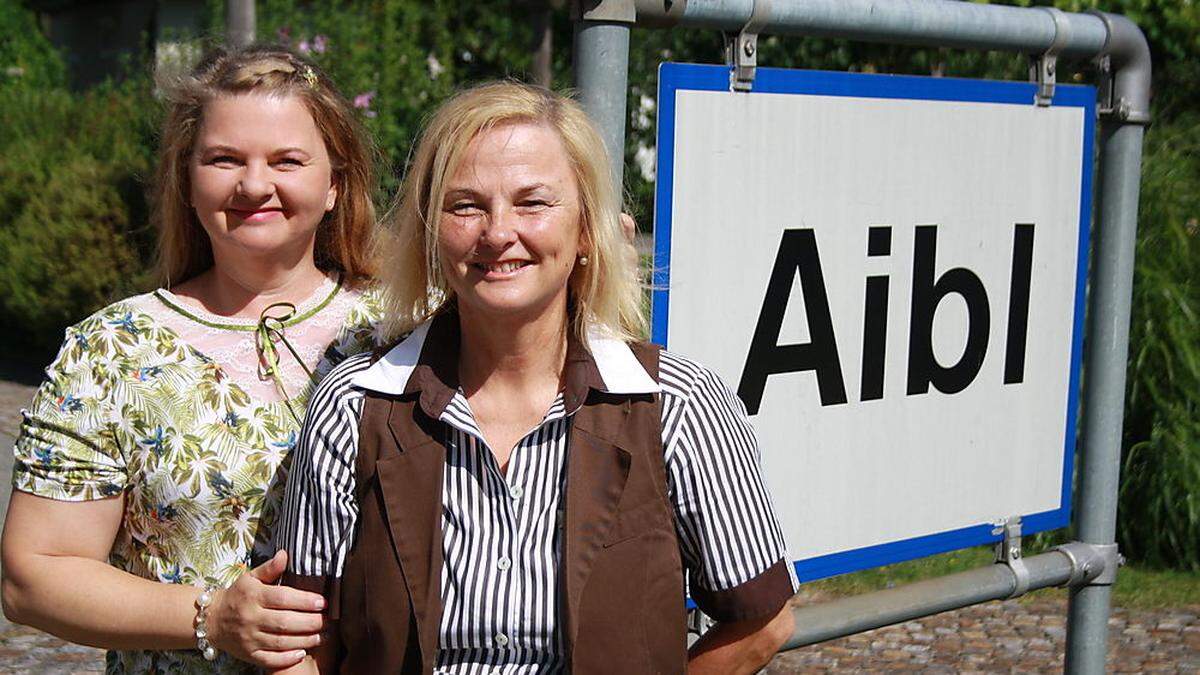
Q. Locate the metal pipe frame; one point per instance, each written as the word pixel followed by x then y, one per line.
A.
pixel 602 72
pixel 1072 564
pixel 240 23
pixel 1121 49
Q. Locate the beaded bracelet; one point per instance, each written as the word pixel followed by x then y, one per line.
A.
pixel 202 602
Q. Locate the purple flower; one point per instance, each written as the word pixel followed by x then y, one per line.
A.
pixel 363 103
pixel 363 100
pixel 320 43
pixel 303 47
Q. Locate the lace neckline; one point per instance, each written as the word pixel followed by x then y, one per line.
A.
pixel 316 301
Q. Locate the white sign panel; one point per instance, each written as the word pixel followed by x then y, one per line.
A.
pixel 889 271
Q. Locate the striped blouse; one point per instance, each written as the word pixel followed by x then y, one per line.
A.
pixel 501 543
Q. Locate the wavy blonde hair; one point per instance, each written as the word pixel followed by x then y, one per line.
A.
pixel 344 239
pixel 605 294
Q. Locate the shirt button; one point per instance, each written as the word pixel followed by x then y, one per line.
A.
pixel 504 563
pixel 501 640
pixel 517 492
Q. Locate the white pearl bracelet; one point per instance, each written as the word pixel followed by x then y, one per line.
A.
pixel 202 602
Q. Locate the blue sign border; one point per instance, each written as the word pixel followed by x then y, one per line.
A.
pixel 673 77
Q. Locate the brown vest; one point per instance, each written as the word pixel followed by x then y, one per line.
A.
pixel 621 574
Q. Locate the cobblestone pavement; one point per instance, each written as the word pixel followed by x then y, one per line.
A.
pixel 997 637
pixel 1007 637
pixel 13 397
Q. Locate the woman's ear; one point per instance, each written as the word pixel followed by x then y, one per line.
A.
pixel 628 227
pixel 331 197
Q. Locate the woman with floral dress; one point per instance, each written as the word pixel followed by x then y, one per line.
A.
pixel 149 468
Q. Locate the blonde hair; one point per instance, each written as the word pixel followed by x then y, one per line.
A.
pixel 344 240
pixel 606 293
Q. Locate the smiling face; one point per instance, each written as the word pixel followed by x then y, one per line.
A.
pixel 261 179
pixel 510 229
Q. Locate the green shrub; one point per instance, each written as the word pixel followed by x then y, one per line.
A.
pixel 400 58
pixel 27 59
pixel 1160 489
pixel 51 276
pixel 74 232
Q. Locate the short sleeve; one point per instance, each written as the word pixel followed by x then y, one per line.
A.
pixel 320 507
pixel 730 538
pixel 70 446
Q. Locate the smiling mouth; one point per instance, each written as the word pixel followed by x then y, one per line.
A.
pixel 255 214
pixel 505 267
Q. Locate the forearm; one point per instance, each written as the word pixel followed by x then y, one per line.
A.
pixel 741 647
pixel 93 603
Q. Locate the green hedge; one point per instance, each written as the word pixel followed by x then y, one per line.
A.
pixel 74 233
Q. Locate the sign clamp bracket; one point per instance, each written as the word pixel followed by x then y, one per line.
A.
pixel 1008 553
pixel 741 51
pixel 1043 70
pixel 1109 104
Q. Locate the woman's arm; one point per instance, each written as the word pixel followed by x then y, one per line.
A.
pixel 740 646
pixel 57 578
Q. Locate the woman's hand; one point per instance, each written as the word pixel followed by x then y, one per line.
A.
pixel 266 625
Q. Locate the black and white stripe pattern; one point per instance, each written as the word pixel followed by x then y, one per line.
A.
pixel 501 546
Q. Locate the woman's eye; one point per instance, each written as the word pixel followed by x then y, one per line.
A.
pixel 533 204
pixel 464 208
pixel 289 162
pixel 223 160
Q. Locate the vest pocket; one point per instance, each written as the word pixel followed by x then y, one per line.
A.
pixel 638 520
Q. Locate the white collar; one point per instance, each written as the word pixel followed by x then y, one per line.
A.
pixel 618 367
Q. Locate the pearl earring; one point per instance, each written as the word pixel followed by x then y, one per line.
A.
pixel 583 261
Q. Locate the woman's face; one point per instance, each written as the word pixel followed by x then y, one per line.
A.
pixel 510 230
pixel 261 179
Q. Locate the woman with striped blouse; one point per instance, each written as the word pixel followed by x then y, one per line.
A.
pixel 519 485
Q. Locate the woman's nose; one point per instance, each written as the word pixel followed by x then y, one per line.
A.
pixel 500 229
pixel 255 184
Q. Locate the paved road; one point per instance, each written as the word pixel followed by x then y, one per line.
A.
pixel 11 396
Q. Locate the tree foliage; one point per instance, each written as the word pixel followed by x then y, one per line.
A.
pixel 26 58
pixel 398 58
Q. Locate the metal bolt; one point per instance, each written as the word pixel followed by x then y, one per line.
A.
pixel 748 47
pixel 1014 552
pixel 1087 568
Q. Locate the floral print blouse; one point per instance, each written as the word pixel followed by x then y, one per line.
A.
pixel 130 406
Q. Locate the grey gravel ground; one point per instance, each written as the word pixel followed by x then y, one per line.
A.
pixel 997 637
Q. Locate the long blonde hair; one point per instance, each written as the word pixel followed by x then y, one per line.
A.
pixel 605 294
pixel 344 240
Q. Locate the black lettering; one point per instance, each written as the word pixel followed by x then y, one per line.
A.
pixel 797 253
pixel 1018 303
pixel 923 368
pixel 875 316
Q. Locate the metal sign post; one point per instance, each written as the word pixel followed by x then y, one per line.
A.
pixel 1089 565
pixel 239 22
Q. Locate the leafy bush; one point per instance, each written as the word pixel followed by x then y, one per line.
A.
pixel 74 233
pixel 397 59
pixel 26 58
pixel 51 276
